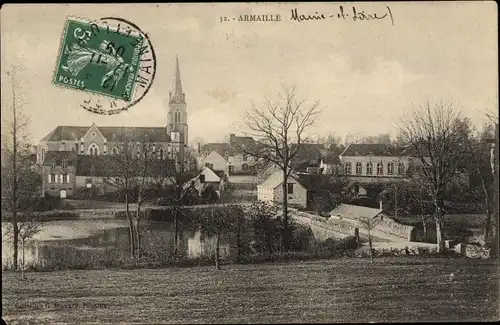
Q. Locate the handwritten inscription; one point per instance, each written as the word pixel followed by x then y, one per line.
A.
pixel 355 15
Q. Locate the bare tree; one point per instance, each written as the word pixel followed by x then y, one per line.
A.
pixel 15 154
pixel 276 125
pixel 369 224
pixel 382 138
pixel 354 138
pixel 332 141
pixel 27 229
pixel 27 226
pixel 479 163
pixel 120 173
pixel 181 185
pixel 438 136
pixel 494 160
pixel 217 220
pixel 136 168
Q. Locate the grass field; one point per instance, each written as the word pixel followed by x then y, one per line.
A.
pixel 343 290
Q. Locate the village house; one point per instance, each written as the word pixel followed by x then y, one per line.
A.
pixel 304 190
pixel 65 172
pixel 380 163
pixel 59 173
pixel 214 156
pixel 271 190
pixel 208 178
pixel 228 157
pixel 368 163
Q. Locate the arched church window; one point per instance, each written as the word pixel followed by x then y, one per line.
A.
pixel 177 117
pixel 93 150
pixel 161 153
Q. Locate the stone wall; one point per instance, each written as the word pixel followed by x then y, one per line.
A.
pixel 391 251
pixel 472 251
pixel 324 228
pixel 391 227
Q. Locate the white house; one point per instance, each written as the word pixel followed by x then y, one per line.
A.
pixel 366 163
pixel 271 190
pixel 213 159
pixel 206 178
pixel 228 157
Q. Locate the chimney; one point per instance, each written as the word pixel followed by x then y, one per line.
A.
pixel 380 205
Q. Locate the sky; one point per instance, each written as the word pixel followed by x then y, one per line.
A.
pixel 365 74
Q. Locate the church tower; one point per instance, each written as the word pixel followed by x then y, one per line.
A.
pixel 177 114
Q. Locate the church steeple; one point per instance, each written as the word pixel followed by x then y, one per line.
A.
pixel 177 114
pixel 176 95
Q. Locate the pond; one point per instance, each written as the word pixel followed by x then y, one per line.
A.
pixel 74 241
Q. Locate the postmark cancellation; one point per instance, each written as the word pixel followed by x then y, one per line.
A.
pixel 111 59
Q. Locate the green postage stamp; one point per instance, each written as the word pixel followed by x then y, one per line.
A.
pixel 105 58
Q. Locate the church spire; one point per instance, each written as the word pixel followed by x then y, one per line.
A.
pixel 177 95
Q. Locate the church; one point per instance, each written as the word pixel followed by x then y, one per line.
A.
pixel 68 154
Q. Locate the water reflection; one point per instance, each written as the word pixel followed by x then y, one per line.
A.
pixel 111 243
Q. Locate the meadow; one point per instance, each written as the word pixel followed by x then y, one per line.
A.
pixel 340 290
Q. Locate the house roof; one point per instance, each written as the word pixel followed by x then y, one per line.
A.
pixel 354 211
pixel 104 166
pixel 111 133
pixel 208 170
pixel 318 182
pixel 219 173
pixel 276 178
pixel 220 148
pixel 307 152
pixel 58 156
pixel 368 149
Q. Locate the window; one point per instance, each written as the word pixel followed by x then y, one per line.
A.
pixel 93 134
pixel 369 168
pixel 390 168
pixel 347 168
pixel 154 147
pixel 114 151
pixel 63 146
pixel 358 168
pixel 290 188
pixel 177 148
pixel 202 178
pixel 76 147
pixel 177 118
pixel 65 178
pixel 211 165
pixel 52 178
pixel 380 168
pixel 161 154
pixel 64 163
pixel 54 164
pixel 401 168
pixel 93 150
pixel 245 157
